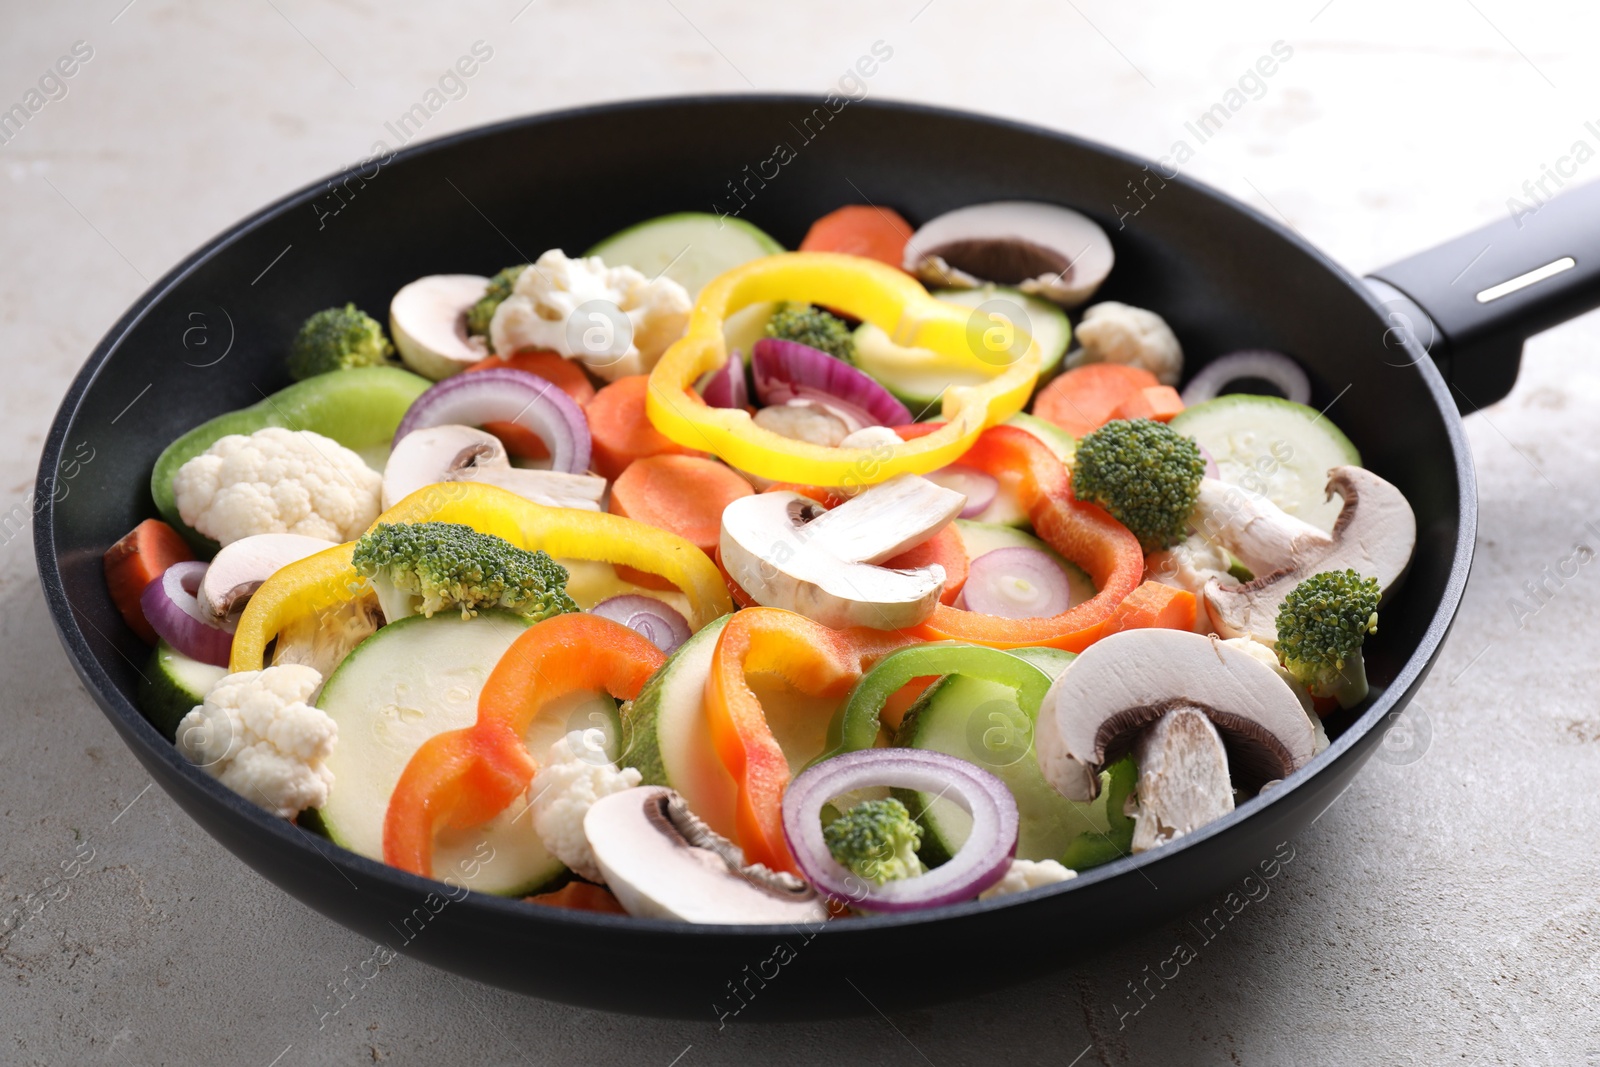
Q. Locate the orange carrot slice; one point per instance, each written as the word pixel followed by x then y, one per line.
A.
pixel 563 373
pixel 684 495
pixel 1159 402
pixel 860 230
pixel 619 430
pixel 1084 398
pixel 1154 606
pixel 136 561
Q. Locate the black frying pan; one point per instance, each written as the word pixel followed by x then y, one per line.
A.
pixel 210 337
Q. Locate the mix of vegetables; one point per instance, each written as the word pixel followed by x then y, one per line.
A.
pixel 694 578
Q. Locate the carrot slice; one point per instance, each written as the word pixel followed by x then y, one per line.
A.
pixel 860 230
pixel 1085 397
pixel 619 430
pixel 580 896
pixel 136 561
pixel 1159 402
pixel 684 495
pixel 1154 606
pixel 563 373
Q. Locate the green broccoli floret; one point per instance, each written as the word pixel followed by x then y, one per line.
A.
pixel 877 839
pixel 479 314
pixel 338 339
pixel 1321 626
pixel 419 568
pixel 812 326
pixel 1146 474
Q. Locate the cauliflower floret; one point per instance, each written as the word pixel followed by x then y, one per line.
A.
pixel 1261 653
pixel 1027 874
pixel 549 308
pixel 1188 565
pixel 573 777
pixel 1120 333
pixel 278 481
pixel 258 735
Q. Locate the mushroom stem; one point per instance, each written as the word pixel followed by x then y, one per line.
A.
pixel 1183 777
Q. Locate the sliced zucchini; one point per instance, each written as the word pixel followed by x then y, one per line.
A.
pixel 1274 447
pixel 690 247
pixel 1053 661
pixel 981 722
pixel 409 681
pixel 1057 440
pixel 172 686
pixel 980 537
pixel 904 371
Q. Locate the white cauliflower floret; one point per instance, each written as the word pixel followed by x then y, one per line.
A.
pixel 1120 333
pixel 278 481
pixel 1027 874
pixel 573 777
pixel 540 314
pixel 1188 565
pixel 1261 653
pixel 258 735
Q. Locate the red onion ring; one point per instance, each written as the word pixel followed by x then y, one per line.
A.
pixel 657 622
pixel 979 487
pixel 789 370
pixel 978 864
pixel 506 395
pixel 1212 470
pixel 1273 367
pixel 725 387
pixel 1017 583
pixel 174 613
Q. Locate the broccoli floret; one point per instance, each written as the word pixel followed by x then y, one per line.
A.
pixel 877 839
pixel 338 339
pixel 812 326
pixel 479 314
pixel 419 568
pixel 1146 474
pixel 1321 626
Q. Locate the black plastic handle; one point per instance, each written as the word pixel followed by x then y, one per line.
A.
pixel 1473 301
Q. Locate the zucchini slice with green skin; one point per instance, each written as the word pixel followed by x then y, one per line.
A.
pixel 1274 447
pixel 418 677
pixel 903 371
pixel 690 247
pixel 172 686
pixel 1053 661
pixel 982 722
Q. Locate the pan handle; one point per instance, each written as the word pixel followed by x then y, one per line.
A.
pixel 1471 302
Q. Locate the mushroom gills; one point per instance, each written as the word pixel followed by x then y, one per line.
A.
pixel 1183 777
pixel 661 862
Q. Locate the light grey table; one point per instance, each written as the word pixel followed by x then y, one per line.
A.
pixel 1442 911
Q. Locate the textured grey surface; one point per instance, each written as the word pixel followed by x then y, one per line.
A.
pixel 1442 911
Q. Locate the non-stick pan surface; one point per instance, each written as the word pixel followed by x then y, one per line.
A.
pixel 209 337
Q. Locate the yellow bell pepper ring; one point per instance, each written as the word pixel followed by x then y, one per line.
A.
pixel 866 289
pixel 329 579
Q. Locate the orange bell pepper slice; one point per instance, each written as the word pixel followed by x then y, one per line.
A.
pixel 815 660
pixel 1083 533
pixel 463 778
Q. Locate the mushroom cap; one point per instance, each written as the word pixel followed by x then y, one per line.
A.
pixel 438 454
pixel 656 872
pixel 1043 249
pixel 239 568
pixel 428 320
pixel 1374 536
pixel 1123 683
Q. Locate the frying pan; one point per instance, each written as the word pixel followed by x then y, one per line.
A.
pixel 209 337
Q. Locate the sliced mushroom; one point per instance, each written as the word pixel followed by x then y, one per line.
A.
pixel 785 551
pixel 239 568
pixel 1125 682
pixel 1042 249
pixel 452 453
pixel 1374 535
pixel 428 319
pixel 658 871
pixel 1183 777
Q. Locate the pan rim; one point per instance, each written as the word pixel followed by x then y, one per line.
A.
pixel 132 725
